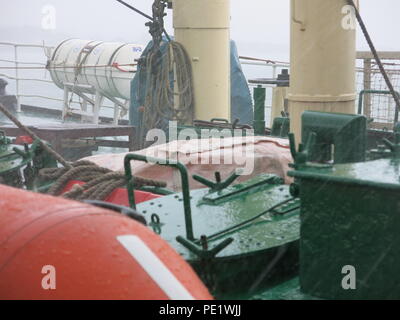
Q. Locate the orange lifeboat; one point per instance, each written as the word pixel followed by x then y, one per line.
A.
pixel 52 248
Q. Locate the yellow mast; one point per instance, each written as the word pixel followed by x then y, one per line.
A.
pixel 203 28
pixel 323 55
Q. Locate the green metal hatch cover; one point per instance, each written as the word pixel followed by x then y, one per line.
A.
pixel 217 211
pixel 254 239
pixel 239 239
pixel 382 173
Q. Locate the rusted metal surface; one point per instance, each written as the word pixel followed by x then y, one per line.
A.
pixel 56 133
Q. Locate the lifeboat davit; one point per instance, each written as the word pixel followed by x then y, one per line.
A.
pixel 52 248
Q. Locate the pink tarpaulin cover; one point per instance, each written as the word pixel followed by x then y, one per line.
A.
pixel 206 156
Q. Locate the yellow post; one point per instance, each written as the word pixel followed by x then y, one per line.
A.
pixel 279 95
pixel 323 55
pixel 202 27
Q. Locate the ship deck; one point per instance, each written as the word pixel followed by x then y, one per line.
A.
pixel 56 133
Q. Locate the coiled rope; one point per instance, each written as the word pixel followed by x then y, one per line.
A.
pixel 99 182
pixel 164 101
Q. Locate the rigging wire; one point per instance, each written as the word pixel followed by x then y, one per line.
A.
pixel 375 54
pixel 144 15
pixel 30 133
pixel 100 182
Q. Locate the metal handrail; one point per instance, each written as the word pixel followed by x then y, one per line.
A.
pixel 20 62
pixel 24 79
pixel 16 77
pixel 274 65
pixel 261 63
pixel 162 162
pixel 363 92
pixel 16 63
pixel 13 44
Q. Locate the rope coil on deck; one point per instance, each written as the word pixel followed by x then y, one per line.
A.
pixel 99 181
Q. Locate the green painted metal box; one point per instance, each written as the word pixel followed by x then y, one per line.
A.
pixel 350 216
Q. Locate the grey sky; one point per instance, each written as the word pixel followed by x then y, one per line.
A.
pixel 260 27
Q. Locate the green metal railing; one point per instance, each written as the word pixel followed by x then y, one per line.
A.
pixel 162 162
